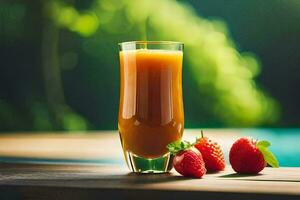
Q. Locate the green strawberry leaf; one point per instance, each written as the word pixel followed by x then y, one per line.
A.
pixel 268 155
pixel 263 143
pixel 178 146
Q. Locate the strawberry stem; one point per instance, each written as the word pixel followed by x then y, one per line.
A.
pixel 202 135
pixel 177 146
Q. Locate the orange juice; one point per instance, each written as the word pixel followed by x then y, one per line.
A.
pixel 151 107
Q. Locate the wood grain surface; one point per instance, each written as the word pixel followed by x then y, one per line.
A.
pixel 28 181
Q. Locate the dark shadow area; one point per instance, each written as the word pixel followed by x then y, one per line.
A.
pixel 74 193
pixel 236 175
pixel 134 178
pixel 217 172
pixel 51 175
pixel 130 179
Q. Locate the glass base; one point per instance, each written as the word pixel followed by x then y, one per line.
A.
pixel 139 164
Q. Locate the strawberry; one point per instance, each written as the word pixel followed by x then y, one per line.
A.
pixel 212 154
pixel 248 156
pixel 187 160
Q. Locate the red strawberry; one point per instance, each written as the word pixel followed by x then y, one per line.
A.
pixel 187 161
pixel 212 154
pixel 247 156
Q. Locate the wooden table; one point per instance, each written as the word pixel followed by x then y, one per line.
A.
pixel 32 167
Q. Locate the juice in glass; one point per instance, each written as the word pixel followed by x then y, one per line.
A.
pixel 151 107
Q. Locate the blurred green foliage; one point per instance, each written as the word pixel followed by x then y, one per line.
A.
pixel 79 63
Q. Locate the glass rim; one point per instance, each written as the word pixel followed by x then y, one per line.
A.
pixel 151 42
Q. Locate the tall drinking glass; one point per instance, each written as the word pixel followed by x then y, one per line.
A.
pixel 151 107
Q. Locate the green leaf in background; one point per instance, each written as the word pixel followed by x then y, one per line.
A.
pixel 219 80
pixel 268 155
